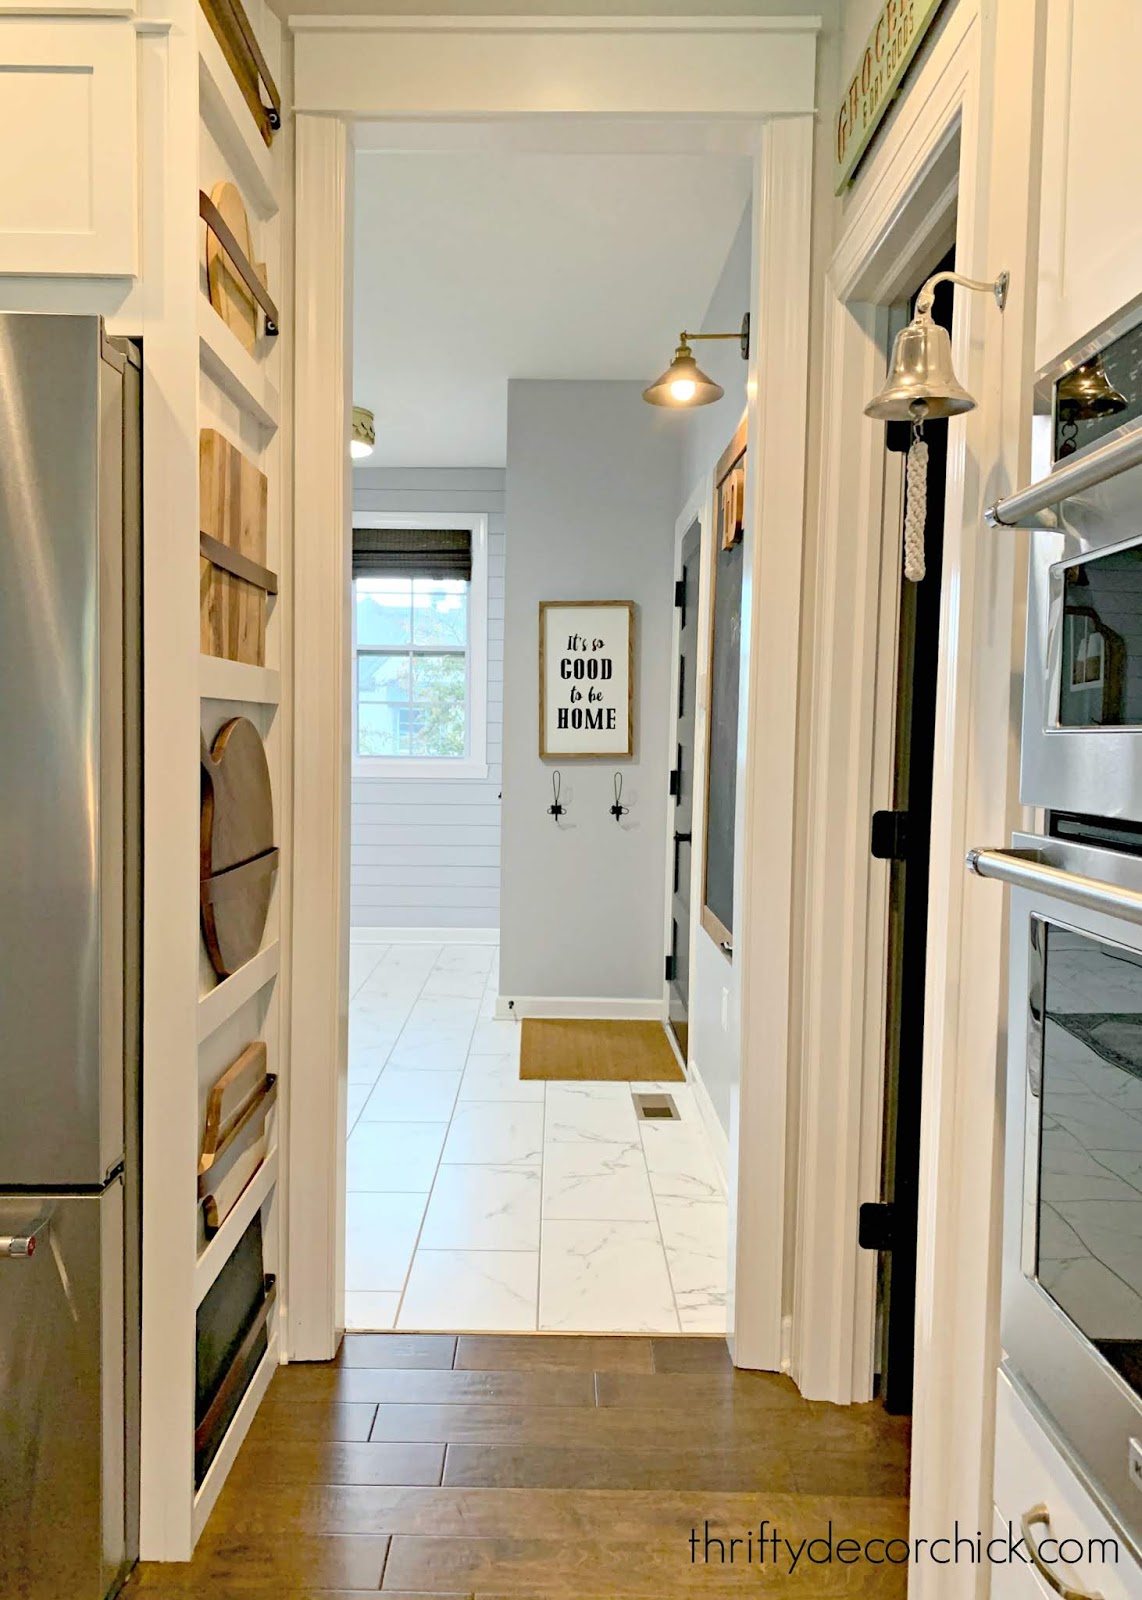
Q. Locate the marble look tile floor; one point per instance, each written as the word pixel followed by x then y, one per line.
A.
pixel 479 1202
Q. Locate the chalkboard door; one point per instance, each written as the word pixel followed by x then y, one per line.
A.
pixel 725 668
pixel 682 785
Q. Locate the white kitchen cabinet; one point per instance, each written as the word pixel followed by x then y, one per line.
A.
pixel 1030 1471
pixel 1090 259
pixel 68 147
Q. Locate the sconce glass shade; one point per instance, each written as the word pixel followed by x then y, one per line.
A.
pixel 921 382
pixel 363 438
pixel 683 383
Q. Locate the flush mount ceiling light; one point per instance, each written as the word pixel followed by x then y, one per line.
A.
pixel 364 436
pixel 684 383
pixel 922 386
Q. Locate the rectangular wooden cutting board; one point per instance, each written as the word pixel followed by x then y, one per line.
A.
pixel 233 505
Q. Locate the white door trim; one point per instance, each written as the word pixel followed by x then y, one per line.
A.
pixel 942 140
pixel 323 500
pixel 626 78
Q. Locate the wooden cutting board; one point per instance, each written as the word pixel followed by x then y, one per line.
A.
pixel 233 503
pixel 228 294
pixel 237 858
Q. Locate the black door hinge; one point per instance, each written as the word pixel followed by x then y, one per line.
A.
pixel 669 968
pixel 875 1226
pixel 889 835
pixel 680 594
pixel 676 782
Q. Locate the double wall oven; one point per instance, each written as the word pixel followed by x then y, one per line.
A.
pixel 1072 1256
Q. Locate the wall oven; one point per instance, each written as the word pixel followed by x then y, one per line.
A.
pixel 1082 706
pixel 1072 1263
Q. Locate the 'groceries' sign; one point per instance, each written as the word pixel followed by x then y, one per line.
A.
pixel 900 25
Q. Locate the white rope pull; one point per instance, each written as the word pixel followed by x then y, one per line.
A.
pixel 915 508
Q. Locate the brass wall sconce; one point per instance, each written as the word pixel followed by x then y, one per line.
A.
pixel 684 383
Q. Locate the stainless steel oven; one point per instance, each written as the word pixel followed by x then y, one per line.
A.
pixel 1082 705
pixel 1072 1251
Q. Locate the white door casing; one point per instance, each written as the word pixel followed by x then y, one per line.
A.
pixel 979 75
pixel 561 73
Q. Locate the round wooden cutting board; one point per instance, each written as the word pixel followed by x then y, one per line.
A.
pixel 237 858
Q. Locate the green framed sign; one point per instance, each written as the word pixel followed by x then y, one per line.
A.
pixel 895 38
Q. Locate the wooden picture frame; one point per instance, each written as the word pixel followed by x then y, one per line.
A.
pixel 728 531
pixel 574 726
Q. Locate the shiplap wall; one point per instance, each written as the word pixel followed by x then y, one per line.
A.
pixel 427 854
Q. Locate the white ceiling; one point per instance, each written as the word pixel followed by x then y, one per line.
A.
pixel 473 266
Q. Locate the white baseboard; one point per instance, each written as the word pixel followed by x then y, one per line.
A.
pixel 719 1139
pixel 424 935
pixel 586 1009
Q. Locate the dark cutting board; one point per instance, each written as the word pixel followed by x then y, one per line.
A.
pixel 236 845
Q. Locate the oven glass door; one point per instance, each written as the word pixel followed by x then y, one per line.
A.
pixel 1084 1113
pixel 1099 636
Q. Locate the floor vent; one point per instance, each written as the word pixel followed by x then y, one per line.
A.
pixel 656 1108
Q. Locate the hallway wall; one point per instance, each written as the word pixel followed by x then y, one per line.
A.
pixel 592 492
pixel 427 855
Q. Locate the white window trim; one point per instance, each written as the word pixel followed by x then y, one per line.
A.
pixel 441 769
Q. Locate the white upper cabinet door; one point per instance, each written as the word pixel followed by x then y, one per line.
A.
pixel 68 147
pixel 1090 260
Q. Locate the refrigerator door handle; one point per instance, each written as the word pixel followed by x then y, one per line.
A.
pixel 15 1245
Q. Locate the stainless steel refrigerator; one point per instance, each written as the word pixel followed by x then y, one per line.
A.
pixel 70 459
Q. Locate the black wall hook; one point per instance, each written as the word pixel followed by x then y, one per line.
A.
pixel 556 810
pixel 618 810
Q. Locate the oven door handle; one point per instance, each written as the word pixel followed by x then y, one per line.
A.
pixel 1026 869
pixel 1040 1516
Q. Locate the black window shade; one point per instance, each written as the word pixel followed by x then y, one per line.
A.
pixel 412 553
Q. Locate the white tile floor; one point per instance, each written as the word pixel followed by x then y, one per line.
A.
pixel 480 1202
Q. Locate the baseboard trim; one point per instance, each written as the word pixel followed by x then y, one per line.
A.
pixel 585 1009
pixel 424 935
pixel 719 1139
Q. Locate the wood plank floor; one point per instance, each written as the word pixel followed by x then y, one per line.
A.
pixel 548 1467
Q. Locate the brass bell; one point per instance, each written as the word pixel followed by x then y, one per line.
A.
pixel 921 383
pixel 1087 393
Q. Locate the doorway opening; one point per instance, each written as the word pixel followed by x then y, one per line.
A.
pixel 902 835
pixel 494 887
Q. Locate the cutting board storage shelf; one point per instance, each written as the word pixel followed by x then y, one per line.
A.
pixel 238 681
pixel 219 1004
pixel 224 112
pixel 237 373
pixel 211 1486
pixel 216 486
pixel 219 1250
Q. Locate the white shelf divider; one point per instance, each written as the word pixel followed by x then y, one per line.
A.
pixel 221 1247
pixel 234 369
pixel 219 1468
pixel 227 115
pixel 220 1003
pixel 219 679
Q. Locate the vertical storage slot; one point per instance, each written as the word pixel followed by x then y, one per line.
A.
pixel 231 1339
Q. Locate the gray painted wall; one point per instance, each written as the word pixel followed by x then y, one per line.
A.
pixel 592 496
pixel 715 1048
pixel 427 855
pixel 709 429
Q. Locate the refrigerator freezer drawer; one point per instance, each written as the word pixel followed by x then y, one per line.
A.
pixel 62 1437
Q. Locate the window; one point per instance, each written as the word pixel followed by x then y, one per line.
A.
pixel 412 666
pixel 419 672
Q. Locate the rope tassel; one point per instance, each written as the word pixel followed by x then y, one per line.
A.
pixel 915 506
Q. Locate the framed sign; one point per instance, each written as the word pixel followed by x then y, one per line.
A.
pixel 894 39
pixel 586 678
